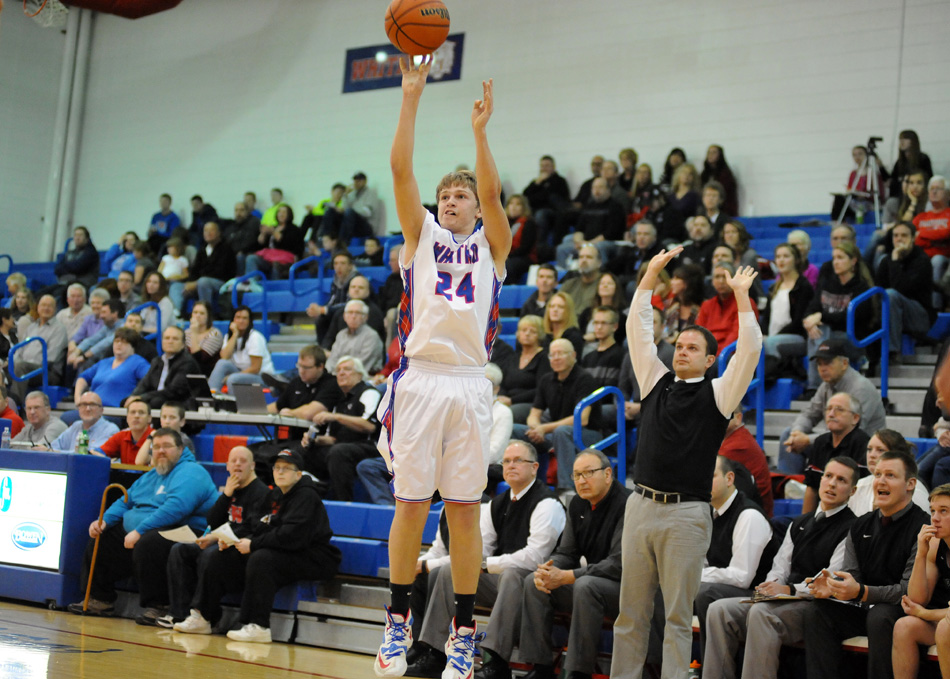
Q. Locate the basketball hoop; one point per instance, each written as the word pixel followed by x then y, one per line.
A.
pixel 47 13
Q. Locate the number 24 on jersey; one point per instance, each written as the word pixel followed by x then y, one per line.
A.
pixel 465 289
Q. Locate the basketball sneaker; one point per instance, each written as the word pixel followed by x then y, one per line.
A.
pixel 193 624
pixel 391 659
pixel 460 651
pixel 251 632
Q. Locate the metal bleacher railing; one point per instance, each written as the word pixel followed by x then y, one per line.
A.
pixel 883 333
pixel 263 293
pixel 54 393
pixel 756 388
pixel 619 437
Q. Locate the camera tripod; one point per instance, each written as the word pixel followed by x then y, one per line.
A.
pixel 869 167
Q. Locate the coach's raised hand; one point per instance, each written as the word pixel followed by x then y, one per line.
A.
pixel 656 265
pixel 740 284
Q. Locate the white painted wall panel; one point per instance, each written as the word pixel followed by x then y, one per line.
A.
pixel 216 97
pixel 30 62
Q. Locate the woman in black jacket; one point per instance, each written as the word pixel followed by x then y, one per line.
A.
pixel 524 369
pixel 827 314
pixel 789 297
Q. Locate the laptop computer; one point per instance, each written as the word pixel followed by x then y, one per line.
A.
pixel 250 399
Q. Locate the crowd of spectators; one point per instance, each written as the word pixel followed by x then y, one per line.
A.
pixel 584 254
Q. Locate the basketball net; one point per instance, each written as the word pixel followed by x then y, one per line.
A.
pixel 47 13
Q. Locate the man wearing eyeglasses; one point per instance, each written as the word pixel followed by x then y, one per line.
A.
pixel 844 438
pixel 312 391
pixel 91 421
pixel 589 592
pixel 520 528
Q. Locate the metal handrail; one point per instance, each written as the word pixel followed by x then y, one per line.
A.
pixel 42 370
pixel 757 385
pixel 620 438
pixel 234 296
pixel 883 333
pixel 292 276
pixel 157 335
pixel 10 265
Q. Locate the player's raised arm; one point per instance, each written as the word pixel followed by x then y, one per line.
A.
pixel 405 189
pixel 494 219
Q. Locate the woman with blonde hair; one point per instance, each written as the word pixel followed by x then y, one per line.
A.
pixel 560 322
pixel 684 191
pixel 525 368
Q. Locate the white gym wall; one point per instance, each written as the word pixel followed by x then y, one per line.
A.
pixel 217 97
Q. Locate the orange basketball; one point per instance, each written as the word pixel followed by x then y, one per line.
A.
pixel 417 26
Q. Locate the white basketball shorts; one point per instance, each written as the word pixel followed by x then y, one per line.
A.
pixel 436 426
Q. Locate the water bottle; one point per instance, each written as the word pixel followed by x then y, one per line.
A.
pixel 695 670
pixel 82 442
pixel 5 438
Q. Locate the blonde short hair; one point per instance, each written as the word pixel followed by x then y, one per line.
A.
pixel 464 178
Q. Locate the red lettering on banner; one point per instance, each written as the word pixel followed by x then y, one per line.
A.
pixel 358 70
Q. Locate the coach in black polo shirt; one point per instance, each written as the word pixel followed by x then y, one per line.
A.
pixel 843 439
pixel 879 557
pixel 312 391
pixel 557 394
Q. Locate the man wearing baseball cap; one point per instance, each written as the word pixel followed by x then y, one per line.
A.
pixel 833 362
pixel 291 543
pixel 362 213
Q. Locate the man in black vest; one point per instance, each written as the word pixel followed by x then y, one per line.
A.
pixel 520 529
pixel 740 535
pixel 667 522
pixel 879 557
pixel 814 541
pixel 588 592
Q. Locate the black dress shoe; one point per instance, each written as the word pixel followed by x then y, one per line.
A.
pixel 430 664
pixel 496 668
pixel 541 672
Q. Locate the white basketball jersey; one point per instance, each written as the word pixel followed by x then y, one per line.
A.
pixel 449 308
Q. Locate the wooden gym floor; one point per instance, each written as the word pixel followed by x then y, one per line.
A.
pixel 36 642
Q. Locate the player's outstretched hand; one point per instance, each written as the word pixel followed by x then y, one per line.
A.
pixel 743 279
pixel 414 75
pixel 483 108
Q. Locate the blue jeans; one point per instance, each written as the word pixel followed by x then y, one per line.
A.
pixel 907 316
pixel 934 467
pixel 375 477
pixel 226 372
pixel 780 346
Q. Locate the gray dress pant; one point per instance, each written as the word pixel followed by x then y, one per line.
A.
pixel 505 623
pixel 664 546
pixel 441 607
pixel 588 600
pixel 765 628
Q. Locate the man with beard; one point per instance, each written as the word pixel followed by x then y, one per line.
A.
pixel 177 491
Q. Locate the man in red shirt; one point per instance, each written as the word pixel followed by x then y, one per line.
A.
pixel 126 443
pixel 933 226
pixel 740 446
pixel 16 422
pixel 719 314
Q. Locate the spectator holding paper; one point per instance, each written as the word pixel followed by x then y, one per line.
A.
pixel 239 507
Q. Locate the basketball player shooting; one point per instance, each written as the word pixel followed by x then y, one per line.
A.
pixel 436 413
